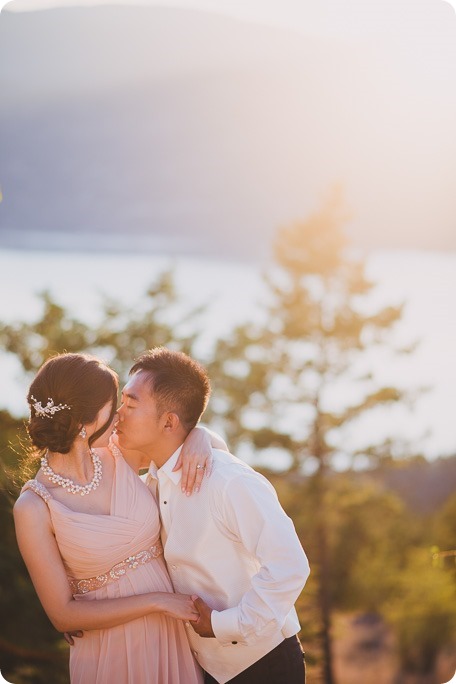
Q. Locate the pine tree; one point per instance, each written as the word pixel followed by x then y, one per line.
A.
pixel 294 378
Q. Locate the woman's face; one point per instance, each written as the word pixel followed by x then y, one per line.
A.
pixel 101 419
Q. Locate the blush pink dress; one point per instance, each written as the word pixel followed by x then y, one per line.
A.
pixel 108 556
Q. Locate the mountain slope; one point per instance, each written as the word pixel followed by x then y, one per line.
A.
pixel 139 124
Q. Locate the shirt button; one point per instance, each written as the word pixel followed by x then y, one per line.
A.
pixel 195 653
pixel 174 567
pixel 187 624
pixel 234 642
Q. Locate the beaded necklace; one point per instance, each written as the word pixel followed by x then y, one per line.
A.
pixel 68 484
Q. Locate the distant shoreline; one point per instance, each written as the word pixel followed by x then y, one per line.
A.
pixel 131 244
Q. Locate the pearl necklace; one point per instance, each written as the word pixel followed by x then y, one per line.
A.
pixel 68 484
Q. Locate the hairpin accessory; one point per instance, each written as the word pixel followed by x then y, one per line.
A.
pixel 48 410
pixel 83 432
pixel 68 484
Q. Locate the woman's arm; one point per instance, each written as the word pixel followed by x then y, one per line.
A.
pixel 41 555
pixel 217 442
pixel 197 451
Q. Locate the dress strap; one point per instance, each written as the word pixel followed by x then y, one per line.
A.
pixel 38 488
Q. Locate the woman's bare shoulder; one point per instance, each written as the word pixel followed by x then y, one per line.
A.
pixel 28 504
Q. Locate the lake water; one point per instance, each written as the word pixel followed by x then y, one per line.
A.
pixel 425 281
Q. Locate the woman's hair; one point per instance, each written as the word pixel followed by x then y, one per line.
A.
pixel 68 392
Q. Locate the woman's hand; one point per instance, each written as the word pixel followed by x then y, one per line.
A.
pixel 70 636
pixel 178 606
pixel 195 459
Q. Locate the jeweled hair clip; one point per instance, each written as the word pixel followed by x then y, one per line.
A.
pixel 48 410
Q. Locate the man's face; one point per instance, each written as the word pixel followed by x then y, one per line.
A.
pixel 139 427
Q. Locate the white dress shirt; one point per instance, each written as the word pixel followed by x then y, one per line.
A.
pixel 234 546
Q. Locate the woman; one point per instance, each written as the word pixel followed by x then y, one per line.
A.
pixel 88 530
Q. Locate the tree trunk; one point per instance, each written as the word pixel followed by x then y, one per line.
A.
pixel 324 596
pixel 325 603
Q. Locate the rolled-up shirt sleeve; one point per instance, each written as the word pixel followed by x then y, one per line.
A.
pixel 249 511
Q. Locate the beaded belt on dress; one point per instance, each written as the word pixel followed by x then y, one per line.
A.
pixel 82 586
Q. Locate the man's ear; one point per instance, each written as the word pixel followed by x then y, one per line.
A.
pixel 172 422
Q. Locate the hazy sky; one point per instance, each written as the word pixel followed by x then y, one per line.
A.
pixel 394 91
pixel 321 16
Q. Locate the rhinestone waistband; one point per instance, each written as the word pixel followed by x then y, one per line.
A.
pixel 82 586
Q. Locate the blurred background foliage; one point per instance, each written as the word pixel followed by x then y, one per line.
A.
pixel 381 551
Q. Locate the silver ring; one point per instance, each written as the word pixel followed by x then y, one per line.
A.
pixel 200 466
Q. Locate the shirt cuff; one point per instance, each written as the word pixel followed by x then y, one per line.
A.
pixel 225 626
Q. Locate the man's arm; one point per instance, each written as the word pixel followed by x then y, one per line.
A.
pixel 249 510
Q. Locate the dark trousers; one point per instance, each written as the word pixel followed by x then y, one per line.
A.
pixel 285 663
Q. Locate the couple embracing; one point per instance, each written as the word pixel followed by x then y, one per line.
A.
pixel 167 586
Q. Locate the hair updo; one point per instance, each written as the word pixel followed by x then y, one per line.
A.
pixel 82 382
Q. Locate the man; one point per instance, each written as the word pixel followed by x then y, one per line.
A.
pixel 232 545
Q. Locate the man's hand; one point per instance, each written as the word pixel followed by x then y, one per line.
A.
pixel 68 636
pixel 202 625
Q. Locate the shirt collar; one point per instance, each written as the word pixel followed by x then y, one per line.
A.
pixel 167 468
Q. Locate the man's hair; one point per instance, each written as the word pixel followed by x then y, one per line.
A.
pixel 178 383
